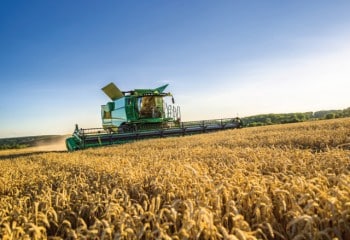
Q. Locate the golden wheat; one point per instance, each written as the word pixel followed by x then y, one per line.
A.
pixel 277 182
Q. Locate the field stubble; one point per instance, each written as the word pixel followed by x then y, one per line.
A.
pixel 277 182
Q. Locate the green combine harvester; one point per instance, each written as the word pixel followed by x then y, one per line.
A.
pixel 141 114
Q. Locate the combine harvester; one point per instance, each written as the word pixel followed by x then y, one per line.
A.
pixel 141 114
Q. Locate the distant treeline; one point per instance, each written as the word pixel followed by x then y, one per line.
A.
pixel 256 120
pixel 269 119
pixel 23 142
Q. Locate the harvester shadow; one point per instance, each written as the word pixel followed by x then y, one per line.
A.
pixel 28 154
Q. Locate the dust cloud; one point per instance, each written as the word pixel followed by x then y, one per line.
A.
pixel 56 145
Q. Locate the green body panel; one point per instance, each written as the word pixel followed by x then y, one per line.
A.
pixel 72 144
pixel 131 108
pixel 158 90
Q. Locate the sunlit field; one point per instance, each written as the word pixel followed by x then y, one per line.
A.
pixel 276 182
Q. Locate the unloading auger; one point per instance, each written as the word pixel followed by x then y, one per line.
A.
pixel 141 114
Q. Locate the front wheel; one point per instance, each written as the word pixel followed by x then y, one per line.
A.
pixel 124 128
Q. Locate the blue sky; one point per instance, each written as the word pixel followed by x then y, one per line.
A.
pixel 221 58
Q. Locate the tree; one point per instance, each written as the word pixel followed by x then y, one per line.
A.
pixel 330 116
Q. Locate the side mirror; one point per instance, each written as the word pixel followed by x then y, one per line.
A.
pixel 173 100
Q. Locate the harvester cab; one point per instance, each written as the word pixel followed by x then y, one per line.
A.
pixel 138 109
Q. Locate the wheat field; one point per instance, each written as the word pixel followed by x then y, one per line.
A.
pixel 275 182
